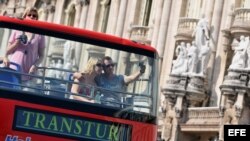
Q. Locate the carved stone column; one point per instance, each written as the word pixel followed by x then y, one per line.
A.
pixel 20 6
pixel 50 18
pixel 157 21
pixel 83 19
pixel 10 7
pixel 78 49
pixel 170 120
pixel 83 24
pixel 120 25
pixel 163 27
pixel 78 7
pixel 184 91
pixel 234 89
pixel 112 21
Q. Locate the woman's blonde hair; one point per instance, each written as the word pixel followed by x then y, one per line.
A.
pixel 28 10
pixel 90 67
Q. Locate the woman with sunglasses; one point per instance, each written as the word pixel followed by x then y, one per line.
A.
pixel 93 68
pixel 26 49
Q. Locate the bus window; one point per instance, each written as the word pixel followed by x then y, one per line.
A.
pixel 63 61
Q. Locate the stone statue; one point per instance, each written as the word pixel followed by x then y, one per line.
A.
pixel 51 72
pixel 180 64
pixel 68 52
pixel 248 52
pixel 204 55
pixel 239 58
pixel 59 65
pixel 67 66
pixel 168 122
pixel 192 57
pixel 229 115
pixel 201 32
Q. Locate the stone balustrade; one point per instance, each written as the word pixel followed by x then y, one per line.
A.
pixel 242 16
pixel 185 28
pixel 140 34
pixel 187 24
pixel 241 22
pixel 58 46
pixel 203 115
pixel 202 119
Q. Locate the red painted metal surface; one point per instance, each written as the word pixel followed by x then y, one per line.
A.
pixel 140 131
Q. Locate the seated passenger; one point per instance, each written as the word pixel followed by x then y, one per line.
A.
pixel 111 81
pixel 93 68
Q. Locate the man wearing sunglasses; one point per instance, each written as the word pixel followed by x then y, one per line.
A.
pixel 111 81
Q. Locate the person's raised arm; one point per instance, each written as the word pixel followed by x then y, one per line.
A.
pixel 14 42
pixel 133 77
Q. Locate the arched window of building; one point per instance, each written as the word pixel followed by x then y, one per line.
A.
pixel 143 13
pixel 70 15
pixel 193 8
pixel 103 15
pixel 245 3
pixel 146 12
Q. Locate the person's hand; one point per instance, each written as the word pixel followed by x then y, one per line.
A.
pixel 6 62
pixel 33 69
pixel 17 42
pixel 142 69
pixel 78 75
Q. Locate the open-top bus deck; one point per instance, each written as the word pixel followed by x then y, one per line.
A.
pixel 45 110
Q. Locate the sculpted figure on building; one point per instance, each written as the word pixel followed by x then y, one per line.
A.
pixel 194 60
pixel 201 33
pixel 192 54
pixel 168 121
pixel 203 57
pixel 241 52
pixel 180 64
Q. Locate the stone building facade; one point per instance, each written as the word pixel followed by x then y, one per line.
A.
pixel 203 51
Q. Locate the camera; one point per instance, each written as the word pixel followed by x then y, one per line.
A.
pixel 142 67
pixel 23 38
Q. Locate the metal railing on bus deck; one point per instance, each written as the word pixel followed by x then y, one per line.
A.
pixel 61 88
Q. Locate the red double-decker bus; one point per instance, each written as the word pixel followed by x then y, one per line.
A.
pixel 46 111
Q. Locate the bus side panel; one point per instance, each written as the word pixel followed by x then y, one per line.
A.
pixel 7 110
pixel 140 131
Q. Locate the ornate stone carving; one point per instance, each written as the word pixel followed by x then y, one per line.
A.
pixel 175 83
pixel 240 22
pixel 180 65
pixel 139 34
pixel 201 32
pixel 185 29
pixel 168 121
pixel 229 115
pixel 105 2
pixel 240 54
pixel 177 112
pixel 222 110
pixel 196 84
pixel 203 57
pixel 3 1
pixel 197 55
pixel 192 58
pixel 84 2
pixel 238 110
